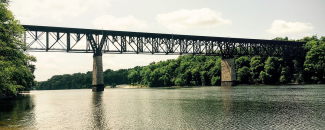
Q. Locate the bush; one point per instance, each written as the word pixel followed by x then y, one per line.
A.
pixel 113 85
pixel 216 81
pixel 244 75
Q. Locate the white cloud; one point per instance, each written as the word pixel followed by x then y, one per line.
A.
pixel 186 19
pixel 56 10
pixel 283 27
pixel 109 22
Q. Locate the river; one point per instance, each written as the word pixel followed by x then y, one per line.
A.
pixel 240 107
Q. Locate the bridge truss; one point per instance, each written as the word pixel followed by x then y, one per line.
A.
pixel 74 40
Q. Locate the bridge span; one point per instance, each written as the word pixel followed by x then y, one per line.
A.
pixel 99 42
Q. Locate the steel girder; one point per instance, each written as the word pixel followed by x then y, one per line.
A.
pixel 121 42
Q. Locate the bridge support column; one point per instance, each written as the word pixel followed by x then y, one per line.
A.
pixel 228 72
pixel 98 78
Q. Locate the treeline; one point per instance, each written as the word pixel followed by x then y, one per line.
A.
pixel 206 70
pixel 191 70
pixel 185 70
pixel 82 80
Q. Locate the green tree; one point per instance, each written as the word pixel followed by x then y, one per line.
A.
pixel 243 75
pixel 285 73
pixel 205 80
pixel 256 66
pixel 133 76
pixel 281 39
pixel 242 61
pixel 242 68
pixel 314 65
pixel 15 70
pixel 113 85
pixel 179 82
pixel 216 81
pixel 272 70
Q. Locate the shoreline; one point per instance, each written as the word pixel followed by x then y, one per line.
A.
pixel 137 86
pixel 130 86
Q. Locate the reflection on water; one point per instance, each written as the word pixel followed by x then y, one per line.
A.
pixel 226 99
pixel 227 107
pixel 98 111
pixel 17 112
pixel 241 107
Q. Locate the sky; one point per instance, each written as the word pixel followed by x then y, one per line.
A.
pixel 257 19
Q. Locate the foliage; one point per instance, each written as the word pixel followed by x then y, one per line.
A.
pixel 82 80
pixel 216 80
pixel 113 85
pixel 314 66
pixel 16 74
pixel 186 70
pixel 256 66
pixel 243 75
pixel 242 61
pixel 281 39
pixel 272 70
pixel 206 70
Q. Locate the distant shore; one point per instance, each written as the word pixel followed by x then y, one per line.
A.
pixel 138 86
pixel 130 86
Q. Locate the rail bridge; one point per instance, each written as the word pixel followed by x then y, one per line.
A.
pixel 99 42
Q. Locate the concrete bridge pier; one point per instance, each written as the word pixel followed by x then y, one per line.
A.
pixel 98 77
pixel 228 72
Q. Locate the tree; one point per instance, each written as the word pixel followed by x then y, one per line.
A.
pixel 272 70
pixel 243 75
pixel 256 66
pixel 179 82
pixel 113 85
pixel 242 61
pixel 205 78
pixel 216 81
pixel 314 65
pixel 15 70
pixel 133 76
pixel 281 39
pixel 242 68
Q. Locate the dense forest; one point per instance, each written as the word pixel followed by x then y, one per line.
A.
pixel 82 80
pixel 185 70
pixel 205 70
pixel 16 74
pixel 192 70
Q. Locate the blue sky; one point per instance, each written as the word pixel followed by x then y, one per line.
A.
pixel 258 19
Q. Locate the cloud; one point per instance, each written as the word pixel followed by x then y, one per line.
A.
pixel 56 10
pixel 109 22
pixel 283 27
pixel 186 19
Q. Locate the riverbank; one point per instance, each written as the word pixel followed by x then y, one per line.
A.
pixel 138 86
pixel 19 93
pixel 130 86
pixel 2 96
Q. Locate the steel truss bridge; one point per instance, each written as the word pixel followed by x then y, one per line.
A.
pixel 76 40
pixel 98 42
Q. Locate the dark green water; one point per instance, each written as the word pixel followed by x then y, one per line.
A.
pixel 240 107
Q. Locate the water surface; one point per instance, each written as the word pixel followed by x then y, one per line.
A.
pixel 240 107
